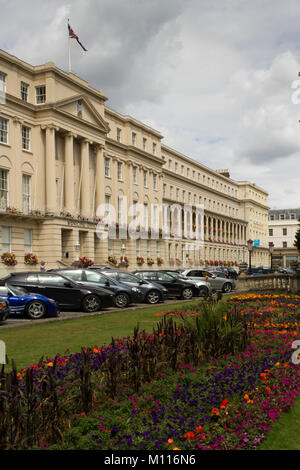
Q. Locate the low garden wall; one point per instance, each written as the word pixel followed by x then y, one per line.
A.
pixel 267 282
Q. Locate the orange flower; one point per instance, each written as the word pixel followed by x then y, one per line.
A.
pixel 170 441
pixel 215 411
pixel 189 435
pixel 199 429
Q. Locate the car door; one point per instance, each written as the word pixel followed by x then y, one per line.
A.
pixel 171 283
pixel 61 289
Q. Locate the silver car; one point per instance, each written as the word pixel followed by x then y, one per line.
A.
pixel 217 283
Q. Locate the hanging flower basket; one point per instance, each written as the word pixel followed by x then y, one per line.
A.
pixel 139 260
pixel 112 259
pixel 160 261
pixel 86 262
pixel 9 259
pixel 124 261
pixel 30 259
pixel 150 261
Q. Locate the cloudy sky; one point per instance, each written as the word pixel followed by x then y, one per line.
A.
pixel 218 78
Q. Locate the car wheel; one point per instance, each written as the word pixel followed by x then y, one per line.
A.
pixel 187 293
pixel 36 309
pixel 227 287
pixel 203 292
pixel 153 297
pixel 91 303
pixel 122 300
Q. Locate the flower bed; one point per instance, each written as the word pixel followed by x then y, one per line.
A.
pixel 176 401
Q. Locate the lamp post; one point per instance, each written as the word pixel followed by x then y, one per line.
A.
pixel 250 248
pixel 271 249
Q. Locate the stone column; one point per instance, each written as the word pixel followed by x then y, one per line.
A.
pixel 100 187
pixel 50 170
pixel 85 179
pixel 69 173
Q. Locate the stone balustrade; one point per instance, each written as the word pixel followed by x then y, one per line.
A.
pixel 267 282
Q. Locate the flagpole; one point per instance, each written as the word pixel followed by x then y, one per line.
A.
pixel 69 48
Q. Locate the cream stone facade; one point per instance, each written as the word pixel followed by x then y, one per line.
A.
pixel 64 154
pixel 283 225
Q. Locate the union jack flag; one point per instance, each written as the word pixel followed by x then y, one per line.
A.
pixel 72 35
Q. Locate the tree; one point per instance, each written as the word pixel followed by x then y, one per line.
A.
pixel 297 238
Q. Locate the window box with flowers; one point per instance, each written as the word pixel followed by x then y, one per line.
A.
pixel 9 259
pixel 36 212
pixel 30 259
pixel 80 217
pixel 112 259
pixel 124 261
pixel 160 261
pixel 12 210
pixel 150 261
pixel 86 262
pixel 139 260
pixel 66 214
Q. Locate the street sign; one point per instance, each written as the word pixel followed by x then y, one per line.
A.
pixel 256 242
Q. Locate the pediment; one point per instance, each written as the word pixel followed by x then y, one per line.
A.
pixel 81 107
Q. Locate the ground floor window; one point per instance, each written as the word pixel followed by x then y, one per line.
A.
pixel 27 240
pixel 6 237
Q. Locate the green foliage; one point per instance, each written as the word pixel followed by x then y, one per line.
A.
pixel 297 239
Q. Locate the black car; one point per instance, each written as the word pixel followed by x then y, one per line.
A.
pixel 68 294
pixel 176 287
pixel 124 295
pixel 4 310
pixel 152 292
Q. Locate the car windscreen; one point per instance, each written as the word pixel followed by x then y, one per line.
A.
pixel 18 291
pixel 165 277
pixel 92 276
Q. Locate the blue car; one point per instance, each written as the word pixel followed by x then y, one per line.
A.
pixel 33 306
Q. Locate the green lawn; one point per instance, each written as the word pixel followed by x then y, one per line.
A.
pixel 27 345
pixel 284 434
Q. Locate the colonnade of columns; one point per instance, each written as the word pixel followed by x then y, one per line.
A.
pixel 69 182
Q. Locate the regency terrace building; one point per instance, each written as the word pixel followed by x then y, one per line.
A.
pixel 64 153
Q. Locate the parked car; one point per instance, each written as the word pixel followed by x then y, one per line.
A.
pixel 33 306
pixel 217 283
pixel 68 294
pixel 285 270
pixel 176 287
pixel 259 271
pixel 100 267
pixel 204 288
pixel 124 295
pixel 152 292
pixel 4 310
pixel 221 271
pixel 217 271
